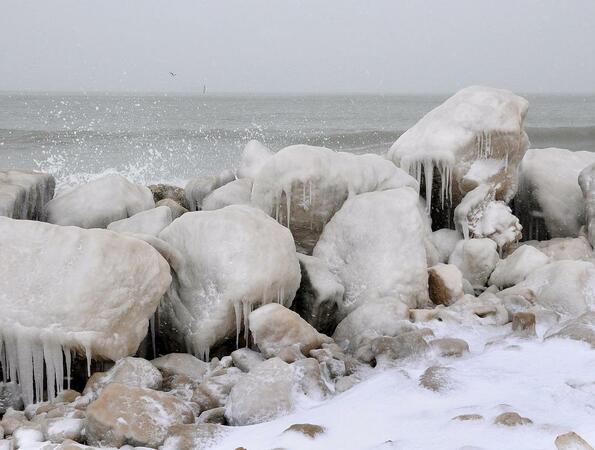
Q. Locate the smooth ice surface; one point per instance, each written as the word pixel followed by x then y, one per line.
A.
pixel 549 194
pixel 517 266
pixel 236 192
pixel 375 245
pixel 149 222
pixel 225 263
pixel 24 194
pixel 99 203
pixel 477 123
pixel 69 289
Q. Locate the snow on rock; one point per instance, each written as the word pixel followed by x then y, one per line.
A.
pixel 200 436
pixel 197 189
pixel 149 222
pixel 182 364
pixel 24 194
pixel 487 309
pixel 445 241
pixel 475 137
pixel 571 441
pixel 517 266
pixel 275 328
pixel 581 328
pixel 566 287
pixel 133 415
pixel 176 209
pixel 254 156
pixel 375 245
pixel 445 284
pixel 564 248
pixel 68 289
pixel 303 186
pixel 319 294
pixel 10 397
pixel 214 391
pixel 246 359
pixel 225 263
pixel 236 192
pixel 100 202
pixel 550 202
pixel 476 259
pixel 60 428
pixel 585 181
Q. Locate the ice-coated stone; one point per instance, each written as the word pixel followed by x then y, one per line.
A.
pixel 197 189
pixel 445 241
pixel 517 266
pixel 176 209
pixel 558 249
pixel 581 328
pixel 449 347
pixel 476 259
pixel 225 263
pixel 99 203
pixel 246 359
pixel 236 192
pixel 445 284
pixel 585 181
pixel 24 194
pixel 571 441
pixel 150 222
pixel 60 428
pixel 406 345
pixel 167 192
pixel 487 309
pixel 375 245
pixel 274 328
pixel 181 364
pixel 475 137
pixel 380 317
pixel 303 186
pixel 214 391
pixel 254 156
pixel 200 436
pixel 10 397
pixel 133 415
pixel 319 294
pixel 69 289
pixel 550 202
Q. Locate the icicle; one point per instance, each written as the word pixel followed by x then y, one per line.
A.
pixel 51 373
pixel 67 358
pixel 247 309
pixel 429 175
pixel 238 312
pixel 3 359
pixel 288 200
pixel 88 356
pixel 37 353
pixel 152 327
pixel 25 368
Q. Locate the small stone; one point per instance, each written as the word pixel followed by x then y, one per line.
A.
pixel 450 347
pixel 445 284
pixel 572 441
pixel 405 345
pixel 215 415
pixel 181 364
pixel 176 209
pixel 523 324
pixel 59 429
pixel 436 378
pixel 10 397
pixel 12 420
pixel 466 417
pixel 307 429
pixel 67 396
pixel 512 419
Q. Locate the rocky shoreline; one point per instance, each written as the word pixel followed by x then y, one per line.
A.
pixel 168 317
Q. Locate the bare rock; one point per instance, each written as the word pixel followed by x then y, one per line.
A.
pixel 523 324
pixel 451 347
pixel 406 345
pixel 193 437
pixel 176 209
pixel 168 192
pixel 467 417
pixel 307 429
pixel 445 284
pixel 436 378
pixel 512 419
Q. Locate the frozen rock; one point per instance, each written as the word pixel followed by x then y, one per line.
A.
pixel 319 294
pixel 307 429
pixel 523 324
pixel 246 359
pixel 274 328
pixel 550 202
pixel 236 192
pixel 27 436
pixel 512 419
pixel 449 347
pixel 585 181
pixel 581 328
pixel 566 287
pixel 254 156
pixel 375 245
pixel 88 291
pixel 214 391
pixel 437 379
pixel 24 194
pixel 571 441
pixel 517 266
pixel 382 317
pixel 445 241
pixel 10 396
pixel 12 420
pixel 215 415
pixel 303 186
pixel 476 259
pixel 564 248
pixel 445 284
pixel 59 429
pixel 199 188
pixel 149 222
pixel 406 345
pixel 181 364
pixel 176 209
pixel 166 192
pixel 132 415
pixel 225 263
pixel 99 203
pixel 201 436
pixel 475 137
pixel 487 309
pixel 466 417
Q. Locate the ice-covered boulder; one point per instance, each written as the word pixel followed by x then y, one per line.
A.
pixel 476 259
pixel 517 266
pixel 558 249
pixel 475 137
pixel 303 186
pixel 275 328
pixel 445 241
pixel 150 222
pixel 319 294
pixel 24 194
pixel 445 284
pixel 176 209
pixel 566 287
pixel 236 192
pixel 586 181
pixel 581 328
pixel 197 189
pixel 168 192
pixel 254 156
pixel 225 263
pixel 69 289
pixel 181 364
pixel 375 245
pixel 99 203
pixel 550 202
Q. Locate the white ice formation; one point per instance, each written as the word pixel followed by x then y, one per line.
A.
pixel 197 189
pixel 236 192
pixel 150 222
pixel 24 194
pixel 517 266
pixel 586 182
pixel 66 289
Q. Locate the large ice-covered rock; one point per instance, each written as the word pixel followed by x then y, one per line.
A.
pixel 254 156
pixel 99 203
pixel 150 222
pixel 225 263
pixel 550 202
pixel 303 186
pixel 517 266
pixel 559 249
pixel 236 192
pixel 67 289
pixel 586 181
pixel 197 189
pixel 375 245
pixel 475 137
pixel 445 241
pixel 24 194
pixel 476 259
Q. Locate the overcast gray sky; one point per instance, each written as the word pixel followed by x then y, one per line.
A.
pixel 297 46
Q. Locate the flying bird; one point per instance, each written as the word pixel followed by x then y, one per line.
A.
pixel 173 74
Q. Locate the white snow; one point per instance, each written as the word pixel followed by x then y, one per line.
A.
pixel 476 259
pixel 375 245
pixel 149 222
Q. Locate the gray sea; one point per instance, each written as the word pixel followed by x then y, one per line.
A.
pixel 165 138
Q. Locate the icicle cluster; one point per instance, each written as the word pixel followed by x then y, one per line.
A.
pixel 426 167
